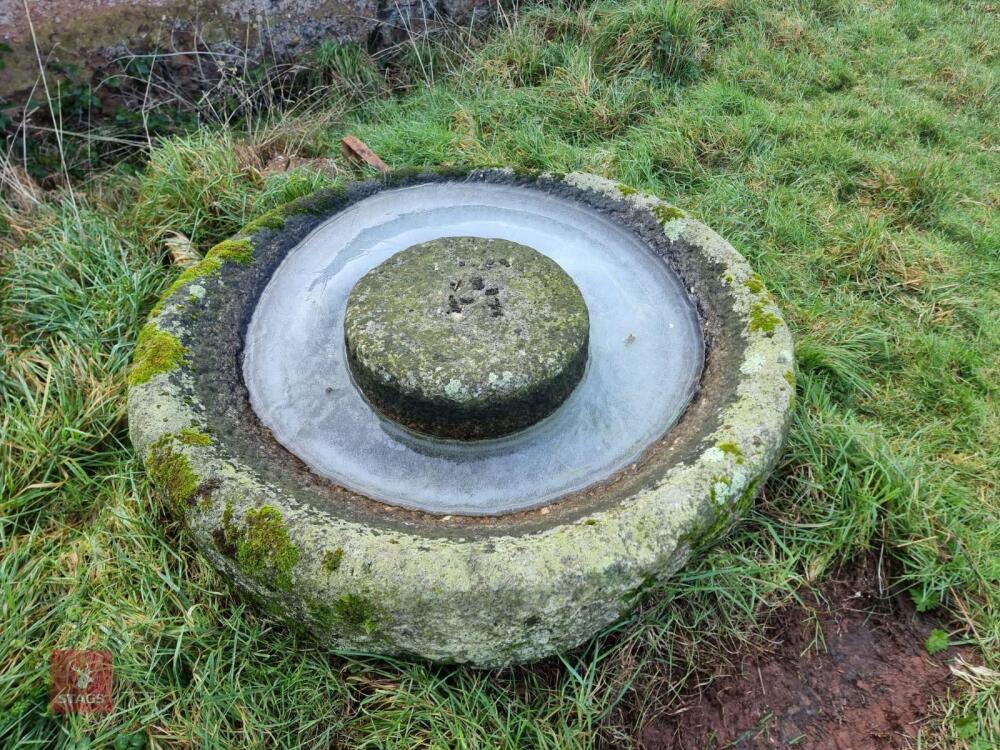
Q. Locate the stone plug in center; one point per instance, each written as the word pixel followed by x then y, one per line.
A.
pixel 467 338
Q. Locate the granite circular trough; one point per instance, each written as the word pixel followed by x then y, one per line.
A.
pixel 487 577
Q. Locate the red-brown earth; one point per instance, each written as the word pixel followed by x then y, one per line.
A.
pixel 847 670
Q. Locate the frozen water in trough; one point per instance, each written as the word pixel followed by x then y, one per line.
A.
pixel 646 353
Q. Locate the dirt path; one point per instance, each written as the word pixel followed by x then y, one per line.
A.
pixel 850 673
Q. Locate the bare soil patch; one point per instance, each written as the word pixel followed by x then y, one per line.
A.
pixel 848 670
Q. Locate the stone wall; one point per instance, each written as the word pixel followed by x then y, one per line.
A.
pixel 92 34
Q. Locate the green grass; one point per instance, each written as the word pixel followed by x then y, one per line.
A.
pixel 849 151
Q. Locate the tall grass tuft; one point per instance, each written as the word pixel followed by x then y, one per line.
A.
pixel 662 38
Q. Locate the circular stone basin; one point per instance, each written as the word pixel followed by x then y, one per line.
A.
pixel 466 337
pixel 284 400
pixel 646 352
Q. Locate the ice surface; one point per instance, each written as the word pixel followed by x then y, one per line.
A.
pixel 646 353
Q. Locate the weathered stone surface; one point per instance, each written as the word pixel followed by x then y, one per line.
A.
pixel 466 337
pixel 485 591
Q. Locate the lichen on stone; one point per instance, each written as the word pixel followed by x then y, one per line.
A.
pixel 264 548
pixel 235 250
pixel 204 267
pixel 713 493
pixel 156 351
pixel 467 337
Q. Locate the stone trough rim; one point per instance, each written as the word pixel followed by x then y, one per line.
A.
pixel 459 590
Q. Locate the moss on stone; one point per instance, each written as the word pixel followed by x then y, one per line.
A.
pixel 724 516
pixel 264 549
pixel 319 612
pixel 666 213
pixel 526 173
pixel 790 377
pixel 227 518
pixel 204 267
pixel 626 190
pixel 755 284
pixel 171 471
pixel 747 497
pixel 156 352
pixel 235 250
pixel 351 614
pixel 332 560
pixel 763 320
pixel 732 449
pixel 403 174
pixel 639 593
pixel 320 203
pixel 460 171
pixel 227 534
pixel 358 613
pixel 191 436
pixel 273 219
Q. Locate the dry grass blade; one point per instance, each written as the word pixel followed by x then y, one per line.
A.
pixel 181 250
pixel 19 187
pixel 980 677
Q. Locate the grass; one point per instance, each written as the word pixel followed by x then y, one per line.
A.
pixel 849 151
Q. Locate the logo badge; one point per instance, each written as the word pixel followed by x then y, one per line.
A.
pixel 81 682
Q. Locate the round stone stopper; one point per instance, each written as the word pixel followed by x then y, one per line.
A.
pixel 466 338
